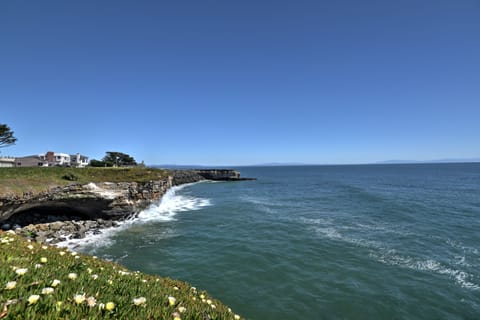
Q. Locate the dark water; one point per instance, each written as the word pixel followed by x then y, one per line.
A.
pixel 319 242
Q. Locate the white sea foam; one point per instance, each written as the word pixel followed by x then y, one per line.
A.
pixel 165 210
pixel 171 204
pixel 391 257
pixel 327 228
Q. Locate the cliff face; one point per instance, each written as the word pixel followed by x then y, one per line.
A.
pixel 91 201
pixel 106 200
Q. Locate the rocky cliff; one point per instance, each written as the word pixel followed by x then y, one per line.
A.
pixel 92 205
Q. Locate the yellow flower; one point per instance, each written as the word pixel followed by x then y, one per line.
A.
pixel 33 299
pixel 182 309
pixel 30 247
pixel 55 283
pixel 21 271
pixel 73 253
pixel 11 285
pixel 59 305
pixel 110 306
pixel 175 288
pixel 72 276
pixel 89 270
pixel 43 260
pixel 213 306
pixel 44 247
pixel 62 253
pixel 79 298
pixel 209 301
pixel 139 301
pixel 171 300
pixel 236 317
pixel 202 296
pixel 47 290
pixel 176 316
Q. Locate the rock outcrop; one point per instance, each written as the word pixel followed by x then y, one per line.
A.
pixel 75 209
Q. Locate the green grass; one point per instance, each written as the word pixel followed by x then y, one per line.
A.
pixel 17 181
pixel 98 283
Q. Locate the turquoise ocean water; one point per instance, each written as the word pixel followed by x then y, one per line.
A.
pixel 318 242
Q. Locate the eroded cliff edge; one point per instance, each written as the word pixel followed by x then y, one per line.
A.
pixel 72 210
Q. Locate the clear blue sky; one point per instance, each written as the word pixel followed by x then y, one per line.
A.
pixel 242 82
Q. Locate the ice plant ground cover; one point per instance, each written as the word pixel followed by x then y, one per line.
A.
pixel 17 181
pixel 54 283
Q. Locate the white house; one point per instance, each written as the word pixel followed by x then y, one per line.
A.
pixel 77 160
pixel 55 158
pixel 6 162
pixel 52 159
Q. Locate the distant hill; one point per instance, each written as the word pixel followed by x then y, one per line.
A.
pixel 452 160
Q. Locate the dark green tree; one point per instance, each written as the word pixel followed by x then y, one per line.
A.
pixel 97 163
pixel 6 136
pixel 119 159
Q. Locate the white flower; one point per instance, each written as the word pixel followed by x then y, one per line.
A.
pixel 171 300
pixel 91 302
pixel 33 299
pixel 44 247
pixel 101 306
pixel 21 271
pixel 236 317
pixel 94 276
pixel 72 276
pixel 213 306
pixel 182 309
pixel 209 301
pixel 30 247
pixel 73 253
pixel 139 301
pixel 62 253
pixel 11 285
pixel 47 290
pixel 79 298
pixel 175 288
pixel 55 283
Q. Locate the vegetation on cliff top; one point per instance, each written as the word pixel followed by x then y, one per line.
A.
pixel 44 282
pixel 16 181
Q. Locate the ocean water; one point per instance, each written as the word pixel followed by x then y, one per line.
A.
pixel 318 242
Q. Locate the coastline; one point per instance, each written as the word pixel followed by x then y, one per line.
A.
pixel 79 210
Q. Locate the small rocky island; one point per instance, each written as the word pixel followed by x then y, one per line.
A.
pixel 71 211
